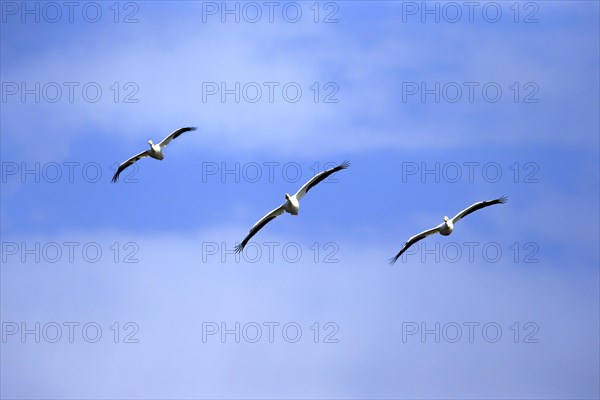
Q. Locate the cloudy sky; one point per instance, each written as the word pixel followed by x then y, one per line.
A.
pixel 132 290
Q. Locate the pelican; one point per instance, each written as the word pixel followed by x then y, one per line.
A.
pixel 291 204
pixel 155 151
pixel 446 227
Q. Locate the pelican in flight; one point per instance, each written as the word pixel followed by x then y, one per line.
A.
pixel 155 151
pixel 291 204
pixel 446 227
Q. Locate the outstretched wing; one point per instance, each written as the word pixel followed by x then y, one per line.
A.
pixel 165 142
pixel 478 206
pixel 258 226
pixel 127 163
pixel 318 178
pixel 412 241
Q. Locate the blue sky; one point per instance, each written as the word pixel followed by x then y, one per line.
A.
pixel 165 237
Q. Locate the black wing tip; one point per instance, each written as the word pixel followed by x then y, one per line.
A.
pixel 179 131
pixel 239 247
pixel 503 199
pixel 393 260
pixel 345 164
pixel 115 177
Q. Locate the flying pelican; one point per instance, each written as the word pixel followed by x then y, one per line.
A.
pixel 155 151
pixel 291 204
pixel 447 226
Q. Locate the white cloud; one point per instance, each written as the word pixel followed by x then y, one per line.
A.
pixel 170 66
pixel 170 293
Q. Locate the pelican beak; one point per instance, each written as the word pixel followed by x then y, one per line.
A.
pixel 150 142
pixel 287 196
pixel 445 219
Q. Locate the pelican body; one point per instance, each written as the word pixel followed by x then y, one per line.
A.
pixel 291 205
pixel 447 227
pixel 155 151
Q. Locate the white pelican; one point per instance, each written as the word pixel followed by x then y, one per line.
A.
pixel 291 204
pixel 447 226
pixel 155 151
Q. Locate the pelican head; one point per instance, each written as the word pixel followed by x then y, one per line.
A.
pixel 446 219
pixel 150 142
pixel 287 196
